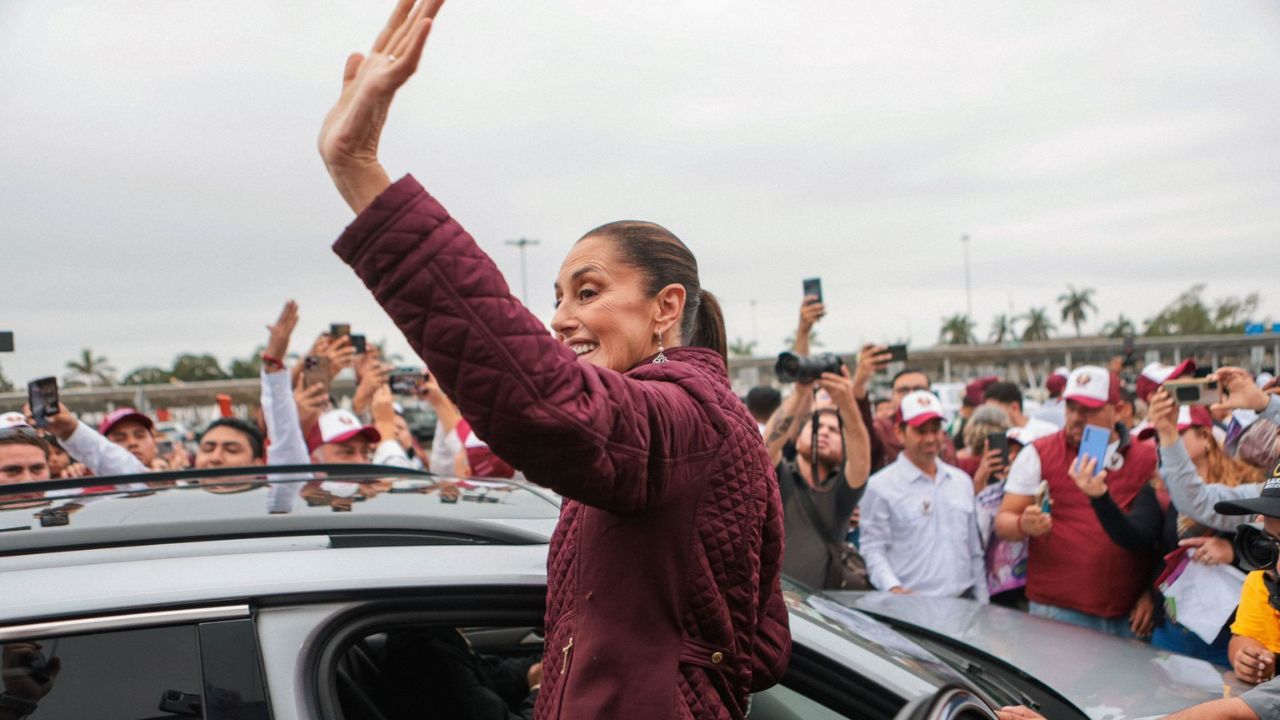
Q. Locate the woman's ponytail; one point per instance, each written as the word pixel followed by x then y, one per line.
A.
pixel 708 328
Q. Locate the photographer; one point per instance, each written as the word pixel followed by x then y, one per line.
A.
pixel 823 458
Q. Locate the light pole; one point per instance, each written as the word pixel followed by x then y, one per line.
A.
pixel 968 286
pixel 522 243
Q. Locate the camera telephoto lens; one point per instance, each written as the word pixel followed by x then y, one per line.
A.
pixel 1254 549
pixel 793 368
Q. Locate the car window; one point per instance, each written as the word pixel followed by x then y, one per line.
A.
pixel 206 671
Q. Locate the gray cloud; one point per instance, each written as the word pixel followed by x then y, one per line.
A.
pixel 161 193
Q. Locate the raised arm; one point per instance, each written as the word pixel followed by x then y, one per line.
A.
pixel 784 425
pixel 857 440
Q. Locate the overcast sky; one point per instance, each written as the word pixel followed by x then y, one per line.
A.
pixel 160 191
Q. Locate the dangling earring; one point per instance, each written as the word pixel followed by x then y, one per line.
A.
pixel 662 356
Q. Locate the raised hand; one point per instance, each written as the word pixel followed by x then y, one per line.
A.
pixel 280 332
pixel 1162 413
pixel 1239 391
pixel 351 131
pixel 870 359
pixel 1093 486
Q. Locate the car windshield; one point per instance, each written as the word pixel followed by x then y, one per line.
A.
pixel 239 494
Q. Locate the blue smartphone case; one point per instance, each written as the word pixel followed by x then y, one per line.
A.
pixel 1094 445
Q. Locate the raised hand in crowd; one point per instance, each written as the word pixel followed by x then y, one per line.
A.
pixel 1239 391
pixel 871 359
pixel 278 335
pixel 857 439
pixel 1210 550
pixel 1093 486
pixel 1162 413
pixel 351 131
pixel 341 354
pixel 312 402
pixel 62 425
pixel 383 408
pixel 372 374
pixel 811 311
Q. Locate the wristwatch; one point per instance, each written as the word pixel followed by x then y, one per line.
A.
pixel 21 706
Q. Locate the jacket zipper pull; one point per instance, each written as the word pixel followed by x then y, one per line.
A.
pixel 564 665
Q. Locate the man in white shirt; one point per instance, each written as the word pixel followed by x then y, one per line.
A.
pixel 919 531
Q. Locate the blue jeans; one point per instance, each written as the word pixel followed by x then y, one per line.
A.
pixel 1175 638
pixel 1118 626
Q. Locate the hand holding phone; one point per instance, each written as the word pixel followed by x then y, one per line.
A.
pixel 999 441
pixel 813 290
pixel 897 353
pixel 315 370
pixel 1093 445
pixel 42 397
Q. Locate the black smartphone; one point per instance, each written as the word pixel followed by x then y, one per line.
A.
pixel 42 395
pixel 813 288
pixel 999 441
pixel 165 447
pixel 358 344
pixel 337 330
pixel 897 353
pixel 6 341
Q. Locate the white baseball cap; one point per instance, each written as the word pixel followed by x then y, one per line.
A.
pixel 340 425
pixel 1154 375
pixel 12 419
pixel 1092 387
pixel 920 407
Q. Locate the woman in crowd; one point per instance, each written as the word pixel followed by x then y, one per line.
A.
pixel 1152 522
pixel 663 597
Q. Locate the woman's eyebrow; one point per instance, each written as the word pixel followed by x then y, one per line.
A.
pixel 577 274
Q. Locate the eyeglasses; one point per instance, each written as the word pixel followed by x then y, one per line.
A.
pixel 25 431
pixel 908 389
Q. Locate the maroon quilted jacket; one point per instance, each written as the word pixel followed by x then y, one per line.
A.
pixel 663 596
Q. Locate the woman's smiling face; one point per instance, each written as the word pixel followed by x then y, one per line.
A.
pixel 602 311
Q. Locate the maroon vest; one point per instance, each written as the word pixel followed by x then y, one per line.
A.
pixel 1076 565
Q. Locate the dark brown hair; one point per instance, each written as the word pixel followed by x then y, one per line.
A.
pixel 23 439
pixel 664 260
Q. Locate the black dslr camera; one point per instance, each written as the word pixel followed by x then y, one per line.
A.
pixel 1254 549
pixel 793 368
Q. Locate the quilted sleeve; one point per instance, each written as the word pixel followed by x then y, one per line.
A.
pixel 590 434
pixel 773 633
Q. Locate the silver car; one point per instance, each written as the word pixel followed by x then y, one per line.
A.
pixel 382 594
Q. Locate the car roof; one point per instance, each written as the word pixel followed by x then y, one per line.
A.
pixel 232 503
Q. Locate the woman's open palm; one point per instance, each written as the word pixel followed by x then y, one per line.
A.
pixel 351 130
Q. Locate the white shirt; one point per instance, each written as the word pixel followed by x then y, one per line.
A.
pixel 1032 431
pixel 444 450
pixel 1025 474
pixel 921 533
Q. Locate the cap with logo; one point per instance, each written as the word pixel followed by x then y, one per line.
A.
pixel 1092 387
pixel 340 426
pixel 1189 416
pixel 1154 375
pixel 116 417
pixel 13 419
pixel 1267 504
pixel 920 407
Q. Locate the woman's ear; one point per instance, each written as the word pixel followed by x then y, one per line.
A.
pixel 670 302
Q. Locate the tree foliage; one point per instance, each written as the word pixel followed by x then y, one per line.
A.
pixel 1003 328
pixel 194 368
pixel 147 375
pixel 742 348
pixel 1038 325
pixel 1121 327
pixel 89 369
pixel 5 385
pixel 957 330
pixel 1076 305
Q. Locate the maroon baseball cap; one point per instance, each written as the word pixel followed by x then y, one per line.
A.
pixel 974 390
pixel 1189 416
pixel 1154 375
pixel 1056 384
pixel 116 417
pixel 1092 387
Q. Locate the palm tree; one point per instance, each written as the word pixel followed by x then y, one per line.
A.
pixel 1002 328
pixel 89 368
pixel 957 330
pixel 742 348
pixel 1038 325
pixel 1076 305
pixel 1120 327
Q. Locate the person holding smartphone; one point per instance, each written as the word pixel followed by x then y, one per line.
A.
pixel 1075 573
pixel 664 590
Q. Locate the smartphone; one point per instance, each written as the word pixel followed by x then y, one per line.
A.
pixel 405 381
pixel 1195 391
pixel 337 330
pixel 6 341
pixel 164 447
pixel 1042 498
pixel 897 353
pixel 999 441
pixel 358 344
pixel 1094 445
pixel 315 369
pixel 813 287
pixel 42 395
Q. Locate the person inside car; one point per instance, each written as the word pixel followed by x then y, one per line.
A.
pixel 664 593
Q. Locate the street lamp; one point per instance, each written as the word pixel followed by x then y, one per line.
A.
pixel 522 243
pixel 968 286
